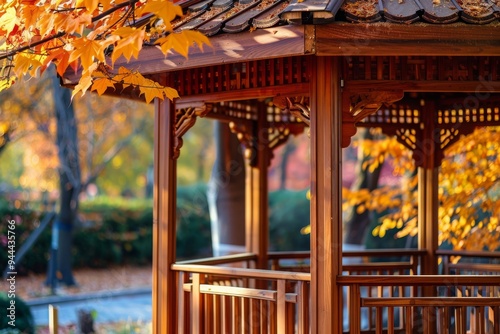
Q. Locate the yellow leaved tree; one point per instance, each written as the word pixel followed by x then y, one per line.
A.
pixel 469 191
pixel 89 35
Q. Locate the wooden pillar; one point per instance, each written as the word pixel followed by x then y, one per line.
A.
pixel 428 183
pixel 164 220
pixel 256 187
pixel 428 206
pixel 326 208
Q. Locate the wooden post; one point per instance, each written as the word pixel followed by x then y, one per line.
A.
pixel 53 319
pixel 164 224
pixel 326 208
pixel 428 206
pixel 256 197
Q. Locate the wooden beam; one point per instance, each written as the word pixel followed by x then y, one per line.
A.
pixel 326 209
pixel 297 89
pixel 444 86
pixel 419 39
pixel 164 220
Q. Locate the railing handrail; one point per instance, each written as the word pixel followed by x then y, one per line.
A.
pixel 418 280
pixel 242 272
pixel 351 253
pixel 289 255
pixel 429 301
pixel 384 252
pixel 226 259
pixel 377 266
pixel 465 253
pixel 475 266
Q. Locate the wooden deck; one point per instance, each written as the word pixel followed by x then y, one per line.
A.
pixel 226 295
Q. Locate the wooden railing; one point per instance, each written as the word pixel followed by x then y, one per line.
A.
pixel 469 262
pixel 226 295
pixel 215 299
pixel 359 262
pixel 462 304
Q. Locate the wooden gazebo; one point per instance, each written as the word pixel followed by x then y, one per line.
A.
pixel 425 71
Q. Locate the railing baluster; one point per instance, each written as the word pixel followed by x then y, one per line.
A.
pixel 264 316
pixel 197 305
pixel 236 315
pixel 281 306
pixel 355 309
pixel 496 319
pixel 303 308
pixel 217 328
pixel 408 321
pixel 379 324
pixel 272 317
pixel 255 316
pixel 390 320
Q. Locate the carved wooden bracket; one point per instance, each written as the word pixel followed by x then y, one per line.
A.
pixel 185 118
pixel 357 106
pixel 268 138
pixel 297 106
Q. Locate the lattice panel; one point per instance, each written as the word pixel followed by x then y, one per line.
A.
pixel 479 116
pixel 234 110
pixel 422 68
pixel 234 77
pixel 394 115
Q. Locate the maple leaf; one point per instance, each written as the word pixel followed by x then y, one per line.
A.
pixel 91 5
pixel 155 90
pixel 181 41
pixel 101 85
pixel 165 10
pixel 129 44
pixel 6 83
pixel 75 24
pixel 26 63
pixel 88 50
pixel 9 20
pixel 84 83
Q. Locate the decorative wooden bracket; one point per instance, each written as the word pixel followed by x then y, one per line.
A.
pixel 185 118
pixel 269 138
pixel 357 106
pixel 296 106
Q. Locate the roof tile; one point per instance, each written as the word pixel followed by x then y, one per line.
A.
pixel 211 17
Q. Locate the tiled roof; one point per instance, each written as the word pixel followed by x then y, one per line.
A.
pixel 215 16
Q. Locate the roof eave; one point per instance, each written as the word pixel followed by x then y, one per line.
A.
pixel 282 41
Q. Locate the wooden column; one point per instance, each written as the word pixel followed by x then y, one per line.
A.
pixel 256 187
pixel 428 183
pixel 164 220
pixel 428 205
pixel 326 208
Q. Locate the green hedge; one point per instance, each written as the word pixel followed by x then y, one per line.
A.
pixel 23 319
pixel 118 231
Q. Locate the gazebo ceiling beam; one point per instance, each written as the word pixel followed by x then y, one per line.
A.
pixel 292 89
pixel 419 39
pixel 437 86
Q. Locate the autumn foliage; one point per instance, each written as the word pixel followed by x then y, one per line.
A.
pixel 89 35
pixel 469 191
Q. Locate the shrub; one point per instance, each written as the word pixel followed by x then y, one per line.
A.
pixel 24 322
pixel 289 212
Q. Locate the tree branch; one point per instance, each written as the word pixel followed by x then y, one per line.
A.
pixel 62 33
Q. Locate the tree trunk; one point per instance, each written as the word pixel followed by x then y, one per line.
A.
pixel 356 224
pixel 69 184
pixel 226 193
pixel 287 151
